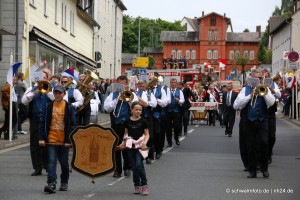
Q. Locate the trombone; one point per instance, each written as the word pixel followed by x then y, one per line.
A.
pixel 126 96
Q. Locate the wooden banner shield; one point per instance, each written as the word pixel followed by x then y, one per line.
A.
pixel 94 150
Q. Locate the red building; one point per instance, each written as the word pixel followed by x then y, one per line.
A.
pixel 206 40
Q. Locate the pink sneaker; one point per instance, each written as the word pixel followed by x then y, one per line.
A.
pixel 144 190
pixel 137 190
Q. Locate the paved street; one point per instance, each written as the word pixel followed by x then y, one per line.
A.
pixel 206 165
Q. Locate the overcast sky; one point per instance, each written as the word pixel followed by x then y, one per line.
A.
pixel 243 13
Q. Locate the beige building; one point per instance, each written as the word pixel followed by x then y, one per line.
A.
pixel 108 40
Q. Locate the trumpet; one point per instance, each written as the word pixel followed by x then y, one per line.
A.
pixel 258 91
pixel 44 87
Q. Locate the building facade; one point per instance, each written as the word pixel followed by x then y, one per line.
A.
pixel 211 38
pixel 108 39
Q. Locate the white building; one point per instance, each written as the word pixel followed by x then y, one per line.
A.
pixel 285 36
pixel 108 40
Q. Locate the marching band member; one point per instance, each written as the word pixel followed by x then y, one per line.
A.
pixel 119 111
pixel 84 116
pixel 73 95
pixel 176 100
pixel 37 102
pixel 256 125
pixel 272 118
pixel 148 101
pixel 164 116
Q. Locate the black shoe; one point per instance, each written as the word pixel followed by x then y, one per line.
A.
pixel 246 169
pixel 177 142
pixel 50 188
pixel 226 132
pixel 269 160
pixel 148 161
pixel 169 145
pixel 157 156
pixel 185 133
pixel 229 134
pixel 36 173
pixel 126 173
pixel 116 175
pixel 251 175
pixel 265 174
pixel 63 186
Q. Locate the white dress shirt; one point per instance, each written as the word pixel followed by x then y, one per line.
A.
pixel 77 96
pixel 163 101
pixel 150 102
pixel 181 97
pixel 28 96
pixel 110 104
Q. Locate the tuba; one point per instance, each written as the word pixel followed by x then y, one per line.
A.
pixel 156 78
pixel 44 87
pixel 87 93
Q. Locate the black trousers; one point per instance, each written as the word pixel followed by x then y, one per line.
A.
pixel 212 117
pixel 185 119
pixel 119 130
pixel 150 141
pixel 163 128
pixel 173 123
pixel 158 147
pixel 38 154
pixel 271 133
pixel 229 118
pixel 257 144
pixel 243 142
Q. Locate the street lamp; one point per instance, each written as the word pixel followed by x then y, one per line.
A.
pixel 139 39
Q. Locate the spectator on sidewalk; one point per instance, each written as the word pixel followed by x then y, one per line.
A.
pixel 22 109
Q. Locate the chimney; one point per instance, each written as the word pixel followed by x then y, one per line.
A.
pixel 224 15
pixel 202 13
pixel 258 30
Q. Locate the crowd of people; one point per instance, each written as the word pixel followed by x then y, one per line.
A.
pixel 152 118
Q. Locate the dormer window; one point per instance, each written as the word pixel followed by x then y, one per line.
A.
pixel 213 20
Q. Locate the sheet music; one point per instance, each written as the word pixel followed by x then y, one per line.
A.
pixel 268 81
pixel 117 87
pixel 253 82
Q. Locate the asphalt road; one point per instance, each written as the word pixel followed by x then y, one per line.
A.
pixel 206 166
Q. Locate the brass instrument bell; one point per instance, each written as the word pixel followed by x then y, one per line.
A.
pixel 44 87
pixel 127 96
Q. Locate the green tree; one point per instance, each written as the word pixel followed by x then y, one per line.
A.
pixel 131 28
pixel 241 60
pixel 151 62
pixel 246 30
pixel 268 56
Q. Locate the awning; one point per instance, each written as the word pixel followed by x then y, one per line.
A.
pixel 4 31
pixel 62 48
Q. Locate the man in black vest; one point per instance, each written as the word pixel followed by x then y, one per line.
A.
pixel 256 125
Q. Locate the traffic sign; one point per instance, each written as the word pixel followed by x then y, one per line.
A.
pixel 143 72
pixel 228 77
pixel 293 56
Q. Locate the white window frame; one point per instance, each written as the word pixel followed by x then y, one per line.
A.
pixel 173 53
pixel 209 35
pixel 72 22
pixel 187 54
pixel 209 54
pixel 231 54
pixel 237 53
pixel 252 55
pixel 64 16
pixel 216 35
pixel 246 54
pixel 215 54
pixel 193 54
pixel 179 54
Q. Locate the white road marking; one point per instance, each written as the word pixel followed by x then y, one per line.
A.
pixel 190 130
pixel 89 195
pixel 196 125
pixel 14 148
pixel 118 180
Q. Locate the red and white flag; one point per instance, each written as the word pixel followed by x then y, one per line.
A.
pixel 222 63
pixel 291 84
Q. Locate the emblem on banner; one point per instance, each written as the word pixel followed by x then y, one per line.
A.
pixel 94 150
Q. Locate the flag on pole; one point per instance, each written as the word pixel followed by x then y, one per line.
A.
pixel 291 84
pixel 12 71
pixel 33 67
pixel 222 63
